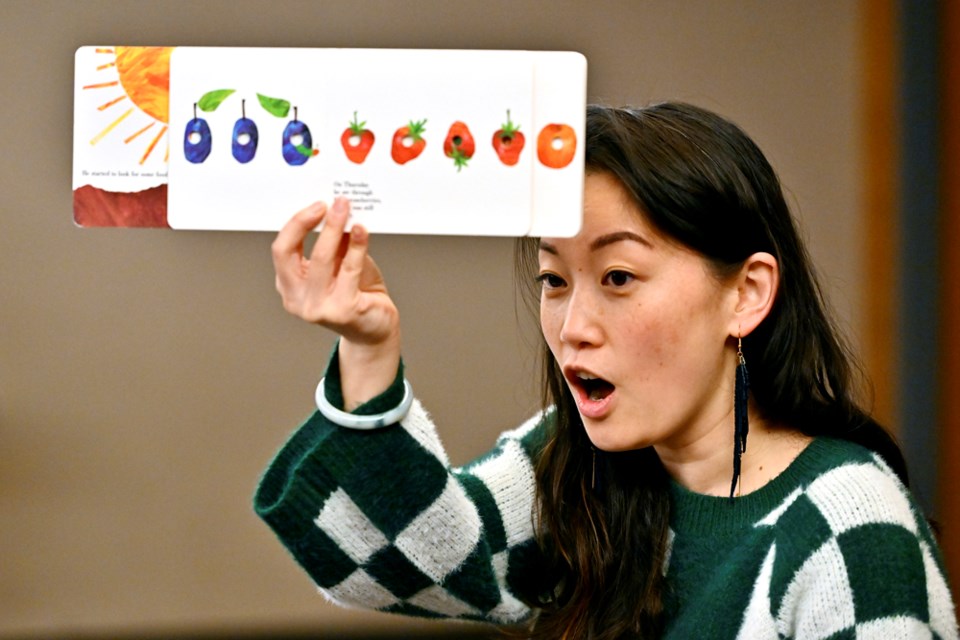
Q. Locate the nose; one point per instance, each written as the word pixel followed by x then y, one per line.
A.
pixel 581 322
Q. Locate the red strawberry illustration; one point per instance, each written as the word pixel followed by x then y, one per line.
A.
pixel 408 142
pixel 357 140
pixel 508 142
pixel 459 144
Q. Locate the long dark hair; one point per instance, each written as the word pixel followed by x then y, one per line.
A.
pixel 699 179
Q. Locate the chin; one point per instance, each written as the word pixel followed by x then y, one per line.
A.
pixel 612 440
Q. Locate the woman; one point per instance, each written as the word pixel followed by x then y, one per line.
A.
pixel 683 317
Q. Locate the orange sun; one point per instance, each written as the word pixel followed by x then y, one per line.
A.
pixel 144 77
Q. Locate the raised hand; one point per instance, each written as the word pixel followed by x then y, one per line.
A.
pixel 340 287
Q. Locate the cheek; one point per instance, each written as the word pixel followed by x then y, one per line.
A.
pixel 550 323
pixel 654 336
pixel 643 329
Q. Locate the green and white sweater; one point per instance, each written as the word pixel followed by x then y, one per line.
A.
pixel 833 548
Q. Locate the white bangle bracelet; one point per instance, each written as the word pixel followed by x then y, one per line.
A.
pixel 354 421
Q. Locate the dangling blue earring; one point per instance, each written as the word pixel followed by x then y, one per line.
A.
pixel 741 391
pixel 594 479
pixel 593 467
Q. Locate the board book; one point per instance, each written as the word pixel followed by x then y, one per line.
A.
pixel 446 142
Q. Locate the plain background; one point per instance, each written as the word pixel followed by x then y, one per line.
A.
pixel 147 376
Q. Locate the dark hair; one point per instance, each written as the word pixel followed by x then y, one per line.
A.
pixel 699 179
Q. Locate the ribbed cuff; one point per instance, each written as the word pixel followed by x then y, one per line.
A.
pixel 333 389
pixel 276 500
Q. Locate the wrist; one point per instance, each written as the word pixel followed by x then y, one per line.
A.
pixel 367 369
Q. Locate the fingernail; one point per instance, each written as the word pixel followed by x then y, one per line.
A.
pixel 341 208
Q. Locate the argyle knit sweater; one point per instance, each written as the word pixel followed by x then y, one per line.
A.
pixel 833 548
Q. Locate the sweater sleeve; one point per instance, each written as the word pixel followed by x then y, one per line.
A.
pixel 379 519
pixel 855 558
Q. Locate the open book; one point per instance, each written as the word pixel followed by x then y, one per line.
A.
pixel 450 142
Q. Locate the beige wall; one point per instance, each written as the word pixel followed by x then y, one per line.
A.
pixel 147 376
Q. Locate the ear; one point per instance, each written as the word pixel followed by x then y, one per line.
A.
pixel 756 286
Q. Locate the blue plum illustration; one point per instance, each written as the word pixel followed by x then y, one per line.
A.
pixel 197 139
pixel 297 142
pixel 245 138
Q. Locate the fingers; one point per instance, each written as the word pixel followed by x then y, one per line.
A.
pixel 352 265
pixel 292 234
pixel 327 246
pixel 335 283
pixel 287 248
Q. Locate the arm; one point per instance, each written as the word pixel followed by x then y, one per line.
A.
pixel 379 520
pixel 340 287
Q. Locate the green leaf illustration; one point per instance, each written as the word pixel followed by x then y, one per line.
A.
pixel 277 106
pixel 212 99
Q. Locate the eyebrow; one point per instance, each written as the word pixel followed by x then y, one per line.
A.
pixel 603 241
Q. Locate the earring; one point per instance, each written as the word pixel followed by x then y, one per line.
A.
pixel 593 467
pixel 741 391
pixel 595 478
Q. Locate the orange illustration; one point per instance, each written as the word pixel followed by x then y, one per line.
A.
pixel 556 145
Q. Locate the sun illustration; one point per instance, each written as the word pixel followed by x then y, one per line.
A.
pixel 136 83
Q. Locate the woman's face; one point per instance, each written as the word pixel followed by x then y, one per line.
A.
pixel 639 325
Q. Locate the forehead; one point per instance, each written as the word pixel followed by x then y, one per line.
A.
pixel 607 208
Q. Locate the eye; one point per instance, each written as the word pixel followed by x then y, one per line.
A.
pixel 550 281
pixel 618 278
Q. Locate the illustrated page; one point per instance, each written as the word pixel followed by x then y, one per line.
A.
pixel 421 141
pixel 121 136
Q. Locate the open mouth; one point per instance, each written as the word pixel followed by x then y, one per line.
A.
pixel 592 387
